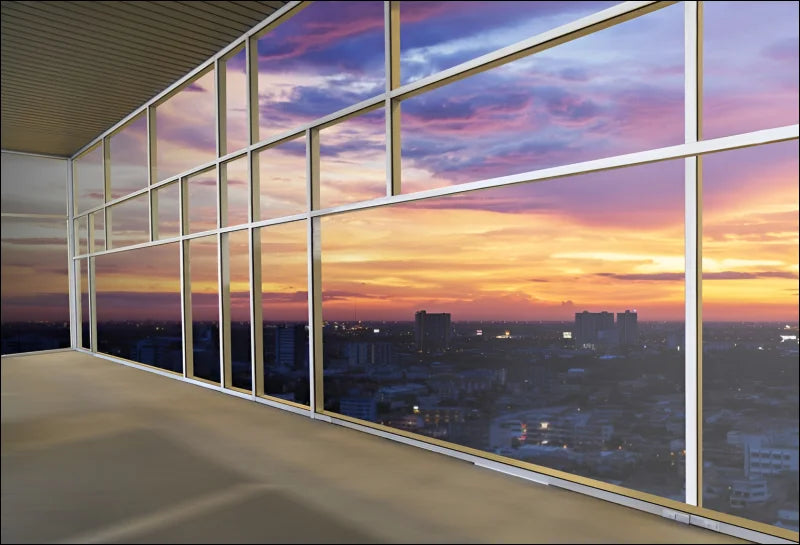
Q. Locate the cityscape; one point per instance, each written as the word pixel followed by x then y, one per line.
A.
pixel 601 396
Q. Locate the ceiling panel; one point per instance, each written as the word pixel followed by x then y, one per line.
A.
pixel 71 70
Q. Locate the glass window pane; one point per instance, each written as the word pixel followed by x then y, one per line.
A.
pixel 186 128
pixel 282 179
pixel 33 185
pixel 541 322
pixel 139 306
pixel 98 241
pixel 129 222
pixel 326 57
pixel 353 160
pixel 201 201
pixel 750 331
pixel 284 296
pixel 85 309
pixel 205 307
pixel 81 235
pixel 237 127
pixel 439 35
pixel 750 64
pixel 237 185
pixel 89 179
pixel 239 254
pixel 168 218
pixel 614 92
pixel 128 155
pixel 34 285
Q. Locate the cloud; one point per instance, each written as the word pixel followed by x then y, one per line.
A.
pixel 284 297
pixel 738 275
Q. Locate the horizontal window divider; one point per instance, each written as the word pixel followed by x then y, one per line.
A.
pixel 277 140
pixel 131 247
pixel 166 93
pixel 34 216
pixel 679 151
pixel 239 393
pixel 131 363
pixel 42 155
pixel 369 104
pixel 120 200
pixel 38 352
pixel 344 114
pixel 564 33
pixel 282 404
pixel 166 181
pixel 208 165
pixel 642 501
pixel 280 220
pixel 232 156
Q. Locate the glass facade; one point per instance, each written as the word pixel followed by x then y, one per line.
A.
pixel 511 229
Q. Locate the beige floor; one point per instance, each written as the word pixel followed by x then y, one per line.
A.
pixel 97 452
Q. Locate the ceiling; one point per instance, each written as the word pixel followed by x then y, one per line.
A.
pixel 71 70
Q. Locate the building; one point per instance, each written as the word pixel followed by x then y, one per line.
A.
pixel 270 162
pixel 432 331
pixel 628 328
pixel 592 327
pixel 291 346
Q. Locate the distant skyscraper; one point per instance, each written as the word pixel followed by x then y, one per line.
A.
pixel 589 325
pixel 291 348
pixel 432 331
pixel 628 328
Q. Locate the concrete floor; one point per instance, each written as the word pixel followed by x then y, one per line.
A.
pixel 96 452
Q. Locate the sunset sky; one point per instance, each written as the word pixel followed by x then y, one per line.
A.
pixel 607 241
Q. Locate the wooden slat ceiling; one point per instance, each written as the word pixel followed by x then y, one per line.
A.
pixel 71 70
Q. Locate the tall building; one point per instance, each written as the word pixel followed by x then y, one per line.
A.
pixel 628 328
pixel 291 345
pixel 589 326
pixel 432 331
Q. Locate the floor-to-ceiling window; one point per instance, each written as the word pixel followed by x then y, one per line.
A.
pixel 557 235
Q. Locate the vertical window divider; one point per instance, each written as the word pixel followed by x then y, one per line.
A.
pixel 693 255
pixel 91 286
pixel 223 262
pixel 74 301
pixel 186 284
pixel 251 74
pixel 152 173
pixel 254 214
pixel 254 262
pixel 222 106
pixel 314 262
pixel 223 276
pixel 392 107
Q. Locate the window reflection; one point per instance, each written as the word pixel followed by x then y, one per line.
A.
pixel 284 296
pixel 204 307
pixel 750 333
pixel 749 84
pixel 324 58
pixel 139 306
pixel 435 36
pixel 281 174
pixel 353 160
pixel 617 91
pixel 543 322
pixel 35 285
pixel 89 179
pixel 128 158
pixel 185 128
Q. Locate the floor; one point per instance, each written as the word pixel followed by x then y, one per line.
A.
pixel 97 452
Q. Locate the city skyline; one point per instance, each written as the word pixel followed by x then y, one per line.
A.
pixel 750 256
